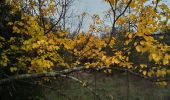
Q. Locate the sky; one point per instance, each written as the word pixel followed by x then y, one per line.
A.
pixel 95 7
pixel 91 7
pixel 98 6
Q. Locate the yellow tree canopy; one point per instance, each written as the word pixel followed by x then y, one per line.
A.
pixel 40 48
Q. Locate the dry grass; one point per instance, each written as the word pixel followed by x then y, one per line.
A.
pixel 110 87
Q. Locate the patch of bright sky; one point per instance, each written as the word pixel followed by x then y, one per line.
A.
pixel 91 7
pixel 95 7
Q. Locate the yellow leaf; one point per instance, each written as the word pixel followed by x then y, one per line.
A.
pixel 144 73
pixel 13 69
pixel 142 42
pixel 57 48
pixel 138 48
pixel 10 23
pixel 150 73
pixel 20 23
pixel 143 65
pixel 103 57
pixel 130 35
pixel 161 37
pixel 165 61
pixel 109 71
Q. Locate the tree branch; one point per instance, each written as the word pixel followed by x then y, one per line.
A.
pixel 124 10
pixel 76 69
pixel 59 19
pixel 39 75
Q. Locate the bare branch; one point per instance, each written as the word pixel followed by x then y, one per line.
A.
pixel 41 15
pixel 75 69
pixel 116 18
pixel 114 12
pixel 40 75
pixel 124 10
pixel 62 14
pixel 157 1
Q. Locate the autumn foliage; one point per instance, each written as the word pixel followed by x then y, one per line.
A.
pixel 36 45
